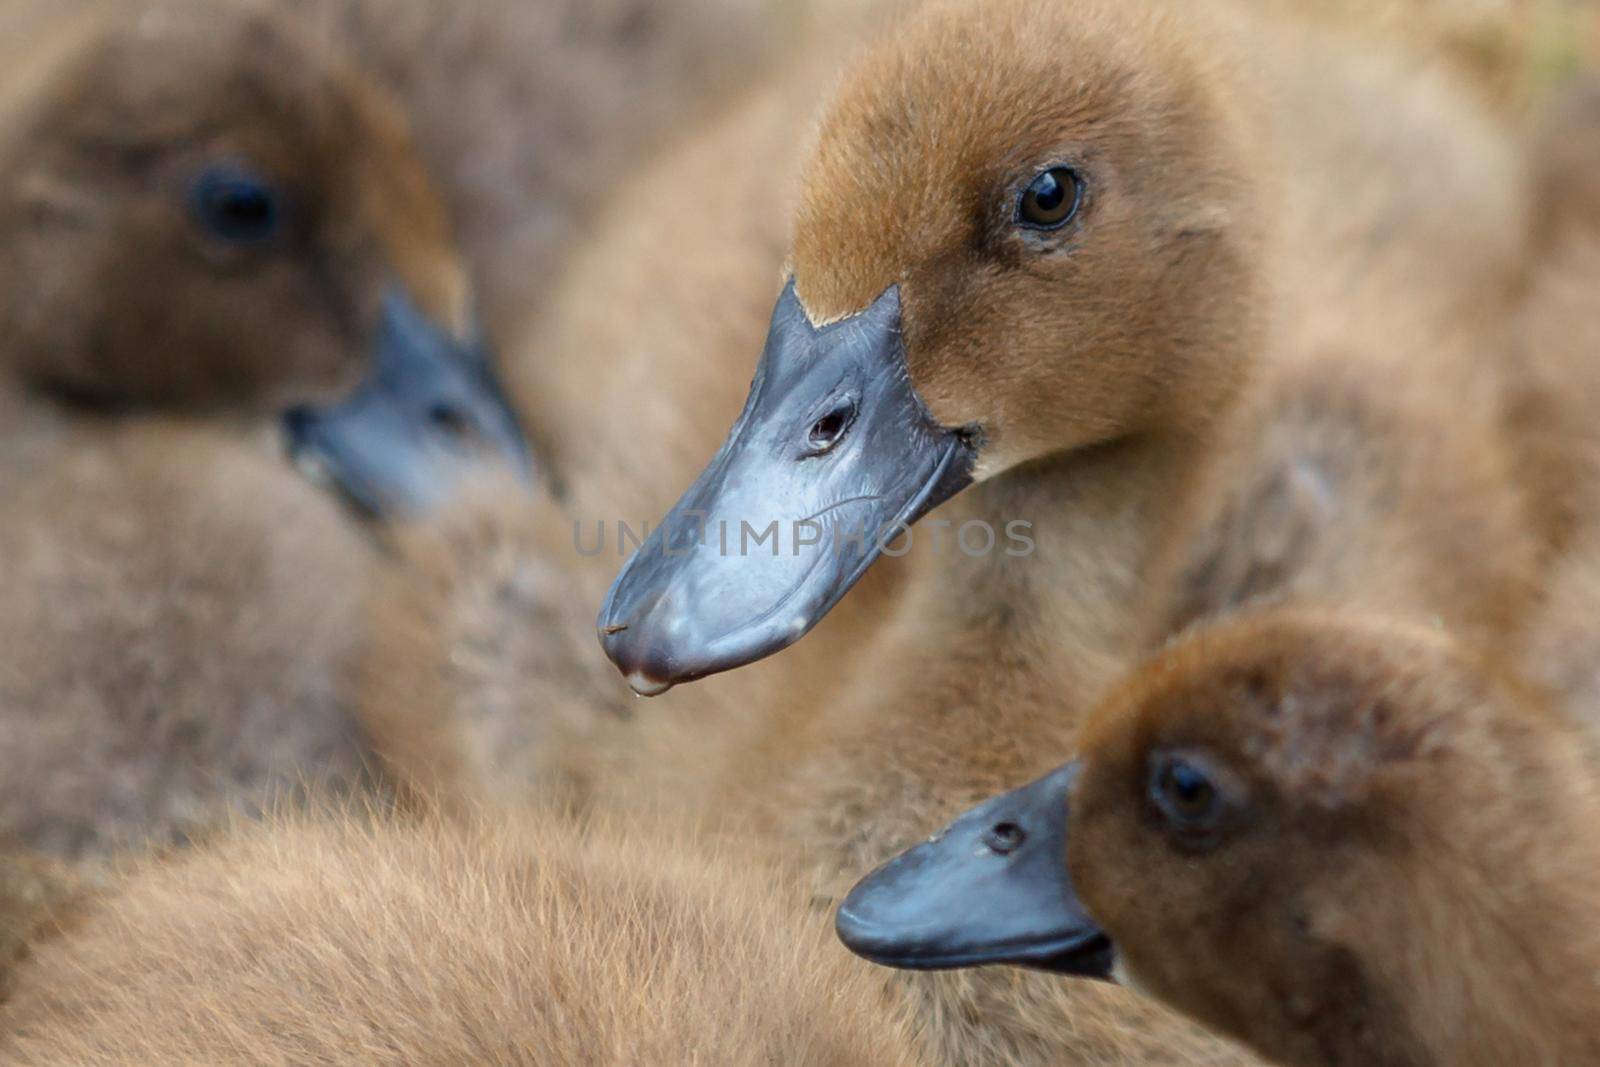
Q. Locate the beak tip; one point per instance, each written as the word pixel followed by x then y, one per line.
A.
pixel 646 686
pixel 855 931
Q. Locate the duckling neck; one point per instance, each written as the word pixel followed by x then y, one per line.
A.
pixel 1518 980
pixel 1076 534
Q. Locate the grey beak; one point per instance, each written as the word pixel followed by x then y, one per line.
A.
pixel 832 456
pixel 992 887
pixel 430 413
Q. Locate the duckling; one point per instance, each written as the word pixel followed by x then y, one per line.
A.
pixel 1166 255
pixel 204 208
pixel 507 940
pixel 180 610
pixel 198 201
pixel 1340 839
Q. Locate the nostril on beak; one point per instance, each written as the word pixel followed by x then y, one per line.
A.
pixel 297 423
pixel 449 419
pixel 1005 838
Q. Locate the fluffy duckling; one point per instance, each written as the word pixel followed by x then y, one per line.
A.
pixel 508 940
pixel 1341 840
pixel 180 609
pixel 204 207
pixel 1128 243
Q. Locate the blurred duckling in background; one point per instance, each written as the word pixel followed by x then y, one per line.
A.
pixel 204 214
pixel 503 940
pixel 209 213
pixel 1339 839
pixel 204 210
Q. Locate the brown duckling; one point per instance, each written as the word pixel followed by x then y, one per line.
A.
pixel 180 612
pixel 1068 297
pixel 204 208
pixel 1339 839
pixel 506 940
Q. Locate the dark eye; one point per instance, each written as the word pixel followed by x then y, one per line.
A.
pixel 1051 200
pixel 831 427
pixel 234 205
pixel 1185 795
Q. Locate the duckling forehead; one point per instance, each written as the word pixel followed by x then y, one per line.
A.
pixel 182 72
pixel 1315 708
pixel 241 79
pixel 936 131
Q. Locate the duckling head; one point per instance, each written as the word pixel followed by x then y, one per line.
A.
pixel 1026 229
pixel 202 207
pixel 1259 822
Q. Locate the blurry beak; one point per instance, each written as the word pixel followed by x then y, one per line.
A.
pixel 992 887
pixel 833 455
pixel 430 414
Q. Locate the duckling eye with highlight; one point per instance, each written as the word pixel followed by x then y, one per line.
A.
pixel 1051 200
pixel 234 205
pixel 1187 797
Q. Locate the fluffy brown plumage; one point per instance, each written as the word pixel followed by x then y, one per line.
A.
pixel 1554 390
pixel 508 940
pixel 38 895
pixel 1402 865
pixel 179 613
